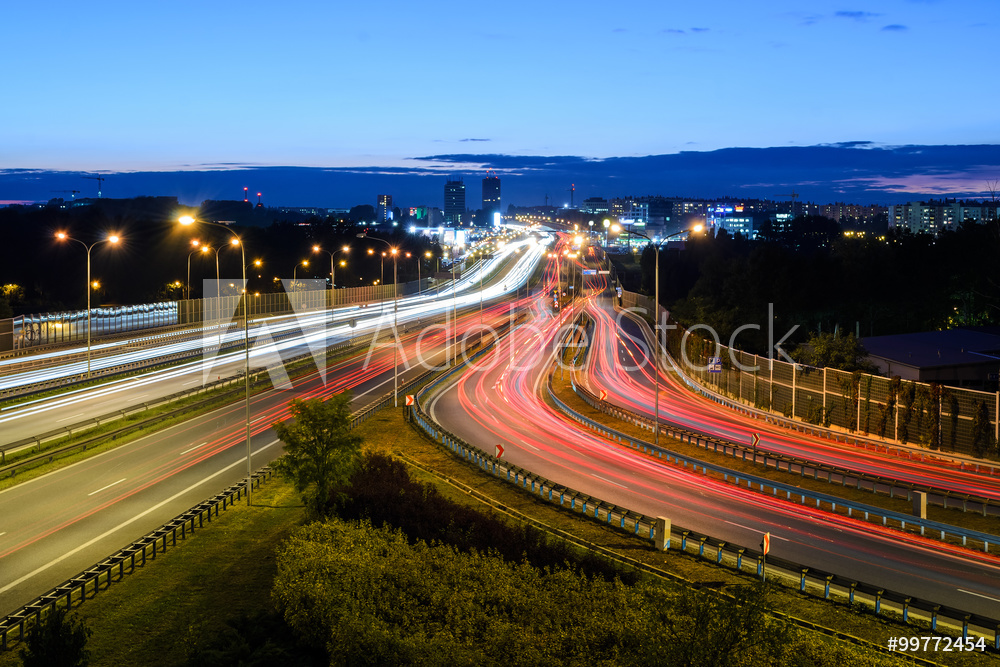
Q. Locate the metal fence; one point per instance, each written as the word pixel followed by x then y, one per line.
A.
pixel 948 419
pixel 37 330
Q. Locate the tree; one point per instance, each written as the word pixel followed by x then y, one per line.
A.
pixel 57 641
pixel 829 350
pixel 321 453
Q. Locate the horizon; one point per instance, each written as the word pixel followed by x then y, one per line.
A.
pixel 858 172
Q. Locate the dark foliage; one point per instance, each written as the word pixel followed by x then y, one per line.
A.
pixel 260 640
pixel 382 492
pixel 58 641
pixel 820 280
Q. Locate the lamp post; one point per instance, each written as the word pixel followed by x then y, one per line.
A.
pixel 395 312
pixel 188 220
pixel 197 248
pixel 346 248
pixel 112 239
pixel 295 270
pixel 656 320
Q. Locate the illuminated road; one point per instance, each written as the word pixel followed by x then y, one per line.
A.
pixel 621 364
pixel 54 526
pixel 310 331
pixel 500 403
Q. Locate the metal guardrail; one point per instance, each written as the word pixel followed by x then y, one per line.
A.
pixel 804 467
pixel 926 526
pixel 865 441
pixel 861 481
pixel 810 580
pixel 66 431
pixel 125 561
pixel 115 567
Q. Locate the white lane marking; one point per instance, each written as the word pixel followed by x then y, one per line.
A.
pixel 107 487
pixel 3 533
pixel 610 481
pixel 66 419
pixel 756 530
pixel 960 590
pixel 192 449
pixel 191 382
pixel 125 523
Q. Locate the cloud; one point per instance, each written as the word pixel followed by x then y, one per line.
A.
pixel 475 140
pixel 619 30
pixel 857 171
pixel 856 15
pixel 673 31
pixel 894 27
pixel 700 29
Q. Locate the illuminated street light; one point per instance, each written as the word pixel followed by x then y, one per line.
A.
pixel 656 320
pixel 112 239
pixel 333 276
pixel 189 220
pixel 395 314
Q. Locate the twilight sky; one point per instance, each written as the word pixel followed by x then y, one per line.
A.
pixel 135 86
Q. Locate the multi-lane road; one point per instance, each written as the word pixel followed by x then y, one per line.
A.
pixel 501 403
pixel 58 523
pixel 54 526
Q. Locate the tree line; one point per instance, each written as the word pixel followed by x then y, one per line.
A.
pixel 824 281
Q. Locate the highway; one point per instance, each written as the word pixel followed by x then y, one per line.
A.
pixel 307 332
pixel 58 524
pixel 622 365
pixel 501 402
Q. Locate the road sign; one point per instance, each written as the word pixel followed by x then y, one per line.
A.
pixel 409 399
pixel 604 394
pixel 765 544
pixel 715 365
pixel 604 273
pixel 499 451
pixel 590 272
pixel 754 440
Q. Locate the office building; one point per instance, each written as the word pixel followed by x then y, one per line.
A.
pixel 454 202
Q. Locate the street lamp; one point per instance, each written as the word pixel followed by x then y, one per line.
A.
pixel 395 314
pixel 188 220
pixel 656 319
pixel 346 248
pixel 196 244
pixel 112 239
pixel 295 270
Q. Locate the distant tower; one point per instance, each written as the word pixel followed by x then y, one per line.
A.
pixel 491 196
pixel 454 202
pixel 259 205
pixel 245 195
pixel 384 210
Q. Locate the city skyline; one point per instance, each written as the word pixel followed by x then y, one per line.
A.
pixel 854 172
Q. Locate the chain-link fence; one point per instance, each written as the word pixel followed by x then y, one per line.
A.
pixel 936 416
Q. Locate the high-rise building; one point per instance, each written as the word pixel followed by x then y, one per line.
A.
pixel 383 213
pixel 454 202
pixel 491 196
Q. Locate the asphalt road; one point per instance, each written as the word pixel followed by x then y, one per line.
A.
pixel 500 403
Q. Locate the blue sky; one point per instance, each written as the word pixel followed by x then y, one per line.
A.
pixel 132 86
